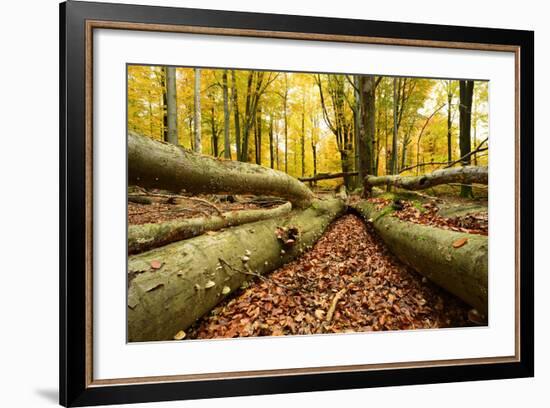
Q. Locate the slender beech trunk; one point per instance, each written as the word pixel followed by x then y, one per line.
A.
pixel 314 139
pixel 303 135
pixel 449 123
pixel 171 106
pixel 277 148
pixel 214 127
pixel 285 109
pixel 357 123
pixel 466 94
pixel 368 128
pixel 258 136
pixel 235 101
pixel 198 121
pixel 226 141
pixel 150 116
pixel 271 156
pixel 164 103
pixel 395 129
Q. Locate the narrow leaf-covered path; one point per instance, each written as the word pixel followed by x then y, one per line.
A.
pixel 348 282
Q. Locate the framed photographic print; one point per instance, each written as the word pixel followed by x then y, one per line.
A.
pixel 256 203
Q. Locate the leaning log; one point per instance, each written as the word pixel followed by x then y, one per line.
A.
pixel 455 261
pixel 170 287
pixel 144 237
pixel 464 175
pixel 154 164
pixel 328 176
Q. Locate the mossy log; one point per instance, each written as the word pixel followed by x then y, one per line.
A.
pixel 465 175
pixel 457 262
pixel 154 164
pixel 148 236
pixel 170 287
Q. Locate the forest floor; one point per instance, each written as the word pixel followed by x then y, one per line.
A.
pixel 348 282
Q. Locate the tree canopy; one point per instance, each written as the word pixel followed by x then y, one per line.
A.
pixel 307 123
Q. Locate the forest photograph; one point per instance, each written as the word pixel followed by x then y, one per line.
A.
pixel 266 203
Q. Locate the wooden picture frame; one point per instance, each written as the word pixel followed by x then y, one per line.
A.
pixel 78 20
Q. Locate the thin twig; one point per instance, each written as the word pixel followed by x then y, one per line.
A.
pixel 335 301
pixel 250 272
pixel 447 163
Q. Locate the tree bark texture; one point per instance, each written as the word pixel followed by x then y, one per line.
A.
pixel 430 251
pixel 144 237
pixel 169 288
pixel 153 164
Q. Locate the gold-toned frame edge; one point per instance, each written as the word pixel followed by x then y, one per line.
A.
pixel 103 24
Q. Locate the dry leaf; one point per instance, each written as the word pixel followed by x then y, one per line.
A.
pixel 320 314
pixel 460 242
pixel 180 335
pixel 210 284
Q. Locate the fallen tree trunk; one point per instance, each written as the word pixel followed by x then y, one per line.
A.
pixel 153 164
pixel 455 261
pixel 148 236
pixel 328 176
pixel 465 175
pixel 170 287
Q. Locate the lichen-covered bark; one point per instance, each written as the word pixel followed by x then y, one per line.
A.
pixel 462 271
pixel 154 164
pixel 466 175
pixel 148 236
pixel 170 287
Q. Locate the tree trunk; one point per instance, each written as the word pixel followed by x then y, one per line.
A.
pixel 368 128
pixel 449 123
pixel 271 150
pixel 303 137
pixel 465 109
pixel 253 95
pixel 431 252
pixel 346 168
pixel 463 175
pixel 285 111
pixel 153 164
pixel 196 274
pixel 395 129
pixel 164 103
pixel 148 236
pixel 171 106
pixel 214 128
pixel 356 126
pixel 235 99
pixel 198 122
pixel 258 136
pixel 226 141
